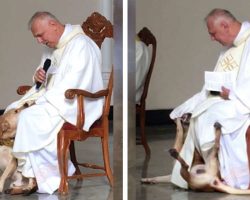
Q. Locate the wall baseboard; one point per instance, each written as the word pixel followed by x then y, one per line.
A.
pixel 153 117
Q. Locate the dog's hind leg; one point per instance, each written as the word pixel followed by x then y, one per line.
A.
pixel 9 170
pixel 217 184
pixel 212 164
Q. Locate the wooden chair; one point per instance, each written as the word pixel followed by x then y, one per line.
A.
pixel 148 38
pixel 98 28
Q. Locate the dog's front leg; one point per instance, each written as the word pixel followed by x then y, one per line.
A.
pixel 9 170
pixel 157 179
pixel 179 138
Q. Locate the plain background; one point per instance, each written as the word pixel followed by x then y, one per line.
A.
pixel 19 51
pixel 185 50
pixel 184 47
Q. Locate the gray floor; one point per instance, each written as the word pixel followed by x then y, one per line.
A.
pixel 96 188
pixel 160 140
pixel 160 163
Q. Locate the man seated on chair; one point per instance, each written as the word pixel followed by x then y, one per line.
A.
pixel 231 107
pixel 75 63
pixel 142 66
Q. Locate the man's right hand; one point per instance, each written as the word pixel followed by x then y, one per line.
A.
pixel 40 75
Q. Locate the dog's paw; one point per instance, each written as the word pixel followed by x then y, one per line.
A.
pixel 217 125
pixel 174 153
pixel 148 181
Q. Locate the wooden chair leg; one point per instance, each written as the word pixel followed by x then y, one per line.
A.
pixel 73 157
pixel 62 150
pixel 142 130
pixel 105 150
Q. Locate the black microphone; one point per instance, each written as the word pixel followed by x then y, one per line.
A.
pixel 46 66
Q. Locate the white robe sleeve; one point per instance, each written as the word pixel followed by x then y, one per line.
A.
pixel 80 68
pixel 189 105
pixel 241 91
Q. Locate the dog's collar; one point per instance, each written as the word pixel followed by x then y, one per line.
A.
pixel 7 142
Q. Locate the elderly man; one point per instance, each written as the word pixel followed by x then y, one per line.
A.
pixel 75 63
pixel 231 107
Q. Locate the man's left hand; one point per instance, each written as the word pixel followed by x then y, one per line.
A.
pixel 224 93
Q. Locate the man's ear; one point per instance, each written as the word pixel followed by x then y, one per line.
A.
pixel 52 23
pixel 224 24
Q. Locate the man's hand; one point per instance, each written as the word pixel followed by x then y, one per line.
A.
pixel 40 75
pixel 224 93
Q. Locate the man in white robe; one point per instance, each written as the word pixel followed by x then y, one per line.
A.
pixel 142 63
pixel 75 63
pixel 231 108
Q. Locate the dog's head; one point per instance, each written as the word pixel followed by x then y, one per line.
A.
pixel 8 124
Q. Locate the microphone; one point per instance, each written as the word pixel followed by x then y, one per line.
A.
pixel 46 66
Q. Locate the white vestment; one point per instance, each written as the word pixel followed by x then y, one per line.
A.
pixel 142 66
pixel 75 63
pixel 232 114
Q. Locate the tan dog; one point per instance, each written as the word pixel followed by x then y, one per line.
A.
pixel 8 164
pixel 182 125
pixel 202 176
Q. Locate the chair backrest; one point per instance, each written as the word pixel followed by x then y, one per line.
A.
pixel 97 27
pixel 148 38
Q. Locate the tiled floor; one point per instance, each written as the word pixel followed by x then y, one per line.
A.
pixel 160 163
pixel 96 188
pixel 160 140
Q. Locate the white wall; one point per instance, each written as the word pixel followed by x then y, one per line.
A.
pixel 184 47
pixel 19 51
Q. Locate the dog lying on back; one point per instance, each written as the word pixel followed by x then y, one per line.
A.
pixel 8 163
pixel 202 176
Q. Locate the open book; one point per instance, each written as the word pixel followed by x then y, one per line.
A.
pixel 215 80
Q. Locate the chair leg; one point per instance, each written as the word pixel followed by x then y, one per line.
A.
pixel 143 136
pixel 105 150
pixel 62 149
pixel 73 157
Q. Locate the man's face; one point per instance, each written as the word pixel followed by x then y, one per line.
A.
pixel 219 32
pixel 45 32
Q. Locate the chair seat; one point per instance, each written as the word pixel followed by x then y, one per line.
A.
pixel 68 126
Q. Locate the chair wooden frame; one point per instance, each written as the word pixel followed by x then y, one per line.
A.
pixel 148 38
pixel 98 28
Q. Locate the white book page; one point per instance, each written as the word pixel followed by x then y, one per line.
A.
pixel 215 80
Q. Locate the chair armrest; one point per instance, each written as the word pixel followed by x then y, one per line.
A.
pixel 80 94
pixel 21 90
pixel 72 93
